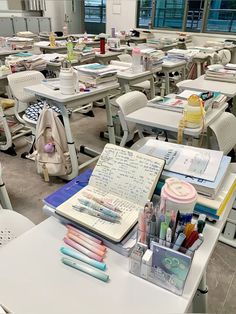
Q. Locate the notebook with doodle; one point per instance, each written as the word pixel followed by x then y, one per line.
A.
pixel 123 177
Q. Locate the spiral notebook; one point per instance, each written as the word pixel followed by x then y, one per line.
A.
pixel 126 178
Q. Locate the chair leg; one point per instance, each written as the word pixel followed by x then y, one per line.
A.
pixel 124 138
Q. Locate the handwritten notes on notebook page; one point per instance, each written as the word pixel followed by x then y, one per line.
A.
pixel 126 177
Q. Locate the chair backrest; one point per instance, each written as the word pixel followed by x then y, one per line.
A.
pixel 129 103
pixel 12 225
pixel 17 82
pixel 125 58
pixel 224 130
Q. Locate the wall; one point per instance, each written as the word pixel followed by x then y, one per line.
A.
pixel 126 19
pixel 4 11
pixel 55 10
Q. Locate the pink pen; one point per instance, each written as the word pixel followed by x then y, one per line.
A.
pixel 142 227
pixel 82 249
pixel 81 236
pixel 84 234
pixel 85 244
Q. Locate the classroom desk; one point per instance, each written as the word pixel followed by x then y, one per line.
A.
pixel 128 79
pixel 137 40
pixel 107 57
pixel 36 281
pixel 155 118
pixel 44 48
pixel 169 66
pixel 200 84
pixel 7 52
pixel 77 99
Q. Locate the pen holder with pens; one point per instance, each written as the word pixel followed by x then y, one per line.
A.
pixel 162 265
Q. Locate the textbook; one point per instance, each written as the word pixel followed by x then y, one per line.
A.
pixel 123 177
pixel 204 187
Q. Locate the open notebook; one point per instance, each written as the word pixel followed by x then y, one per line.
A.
pixel 127 178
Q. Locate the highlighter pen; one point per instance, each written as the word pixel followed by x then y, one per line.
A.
pixel 201 223
pixel 191 239
pixel 195 246
pixel 82 249
pixel 101 201
pixel 84 234
pixel 86 269
pixel 168 236
pixel 82 237
pixel 179 241
pixel 85 244
pixel 98 207
pixel 167 218
pixel 83 258
pixel 163 233
pixel 142 226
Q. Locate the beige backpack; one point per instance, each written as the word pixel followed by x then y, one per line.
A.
pixel 52 156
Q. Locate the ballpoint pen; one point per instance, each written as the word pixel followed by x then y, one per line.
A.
pixel 93 212
pixel 94 205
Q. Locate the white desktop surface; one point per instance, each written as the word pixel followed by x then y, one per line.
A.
pixel 45 91
pixel 169 120
pixel 34 280
pixel 200 84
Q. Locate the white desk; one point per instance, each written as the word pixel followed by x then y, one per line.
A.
pixel 78 99
pixel 36 281
pixel 200 84
pixel 107 57
pixel 44 46
pixel 169 120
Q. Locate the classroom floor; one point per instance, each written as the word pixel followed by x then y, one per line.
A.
pixel 26 190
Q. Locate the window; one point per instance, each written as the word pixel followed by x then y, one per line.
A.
pixel 95 11
pixel 188 15
pixel 145 13
pixel 222 16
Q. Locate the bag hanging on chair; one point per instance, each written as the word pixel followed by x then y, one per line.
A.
pixel 52 153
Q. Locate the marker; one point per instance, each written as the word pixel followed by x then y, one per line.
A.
pixel 82 237
pixel 85 244
pixel 86 269
pixel 82 249
pixel 101 201
pixel 191 239
pixel 179 241
pixel 82 258
pixel 195 246
pixel 163 233
pixel 168 236
pixel 201 223
pixel 142 227
pixel 84 234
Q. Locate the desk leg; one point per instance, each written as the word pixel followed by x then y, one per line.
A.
pixel 152 87
pixel 167 83
pixel 199 304
pixel 71 145
pixel 199 69
pixel 110 125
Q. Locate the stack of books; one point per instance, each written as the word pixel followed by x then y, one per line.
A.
pixel 218 72
pixel 181 54
pixel 95 74
pixel 168 103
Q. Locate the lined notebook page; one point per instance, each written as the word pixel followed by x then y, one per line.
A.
pixel 115 232
pixel 127 174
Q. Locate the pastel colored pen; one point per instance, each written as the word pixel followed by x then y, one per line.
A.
pixel 98 207
pixel 194 246
pixel 83 258
pixel 167 218
pixel 81 236
pixel 163 231
pixel 84 234
pixel 153 226
pixel 86 269
pixel 179 241
pixel 95 213
pixel 100 201
pixel 168 237
pixel 82 249
pixel 85 244
pixel 142 227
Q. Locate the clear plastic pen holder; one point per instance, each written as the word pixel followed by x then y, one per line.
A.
pixel 170 268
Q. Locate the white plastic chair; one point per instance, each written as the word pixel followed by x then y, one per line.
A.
pixel 129 103
pixel 179 84
pixel 224 129
pixel 12 225
pixel 17 82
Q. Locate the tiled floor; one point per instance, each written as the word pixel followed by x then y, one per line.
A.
pixel 27 189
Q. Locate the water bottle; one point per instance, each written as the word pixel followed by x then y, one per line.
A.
pixel 136 60
pixel 65 29
pixel 67 79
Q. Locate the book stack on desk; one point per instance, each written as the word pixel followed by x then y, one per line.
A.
pixel 218 72
pixel 214 182
pixel 95 73
pixel 168 103
pixel 181 54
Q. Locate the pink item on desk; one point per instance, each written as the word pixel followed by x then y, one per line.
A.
pixel 178 195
